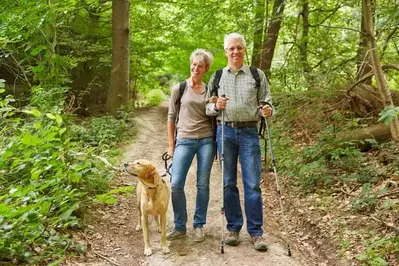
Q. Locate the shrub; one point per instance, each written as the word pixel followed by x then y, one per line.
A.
pixel 155 97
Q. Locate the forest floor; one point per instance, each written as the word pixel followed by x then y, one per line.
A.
pixel 111 238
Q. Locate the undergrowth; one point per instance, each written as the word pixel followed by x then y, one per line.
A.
pixel 304 133
pixel 50 169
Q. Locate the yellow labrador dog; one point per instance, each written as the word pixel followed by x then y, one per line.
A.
pixel 153 199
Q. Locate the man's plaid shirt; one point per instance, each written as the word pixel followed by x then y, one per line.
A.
pixel 240 88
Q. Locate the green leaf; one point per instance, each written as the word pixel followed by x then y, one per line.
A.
pixel 35 173
pixel 62 130
pixel 7 154
pixel 38 49
pixel 107 199
pixel 51 116
pixel 33 112
pixel 30 140
pixel 58 119
pixel 67 214
pixel 4 209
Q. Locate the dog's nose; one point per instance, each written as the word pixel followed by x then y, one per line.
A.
pixel 125 165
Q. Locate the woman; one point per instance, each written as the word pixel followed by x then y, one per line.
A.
pixel 194 137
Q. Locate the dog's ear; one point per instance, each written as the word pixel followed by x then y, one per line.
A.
pixel 151 174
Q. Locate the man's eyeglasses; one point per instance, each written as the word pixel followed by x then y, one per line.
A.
pixel 238 48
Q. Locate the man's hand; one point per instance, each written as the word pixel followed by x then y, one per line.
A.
pixel 221 103
pixel 266 110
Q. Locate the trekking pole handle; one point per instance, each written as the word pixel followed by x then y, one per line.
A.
pixel 262 103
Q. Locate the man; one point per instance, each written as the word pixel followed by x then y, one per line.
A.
pixel 242 111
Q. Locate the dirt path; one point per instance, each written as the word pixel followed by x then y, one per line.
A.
pixel 111 232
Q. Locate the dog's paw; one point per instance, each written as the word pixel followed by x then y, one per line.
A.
pixel 165 250
pixel 138 228
pixel 147 251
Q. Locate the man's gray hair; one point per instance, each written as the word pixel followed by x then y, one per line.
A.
pixel 234 36
pixel 203 56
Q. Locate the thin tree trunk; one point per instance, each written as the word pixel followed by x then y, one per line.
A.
pixel 259 23
pixel 303 45
pixel 269 44
pixel 119 91
pixel 363 60
pixel 378 73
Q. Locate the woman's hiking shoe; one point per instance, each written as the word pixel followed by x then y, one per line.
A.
pixel 175 235
pixel 199 234
pixel 259 243
pixel 232 238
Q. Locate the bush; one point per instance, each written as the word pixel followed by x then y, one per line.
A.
pixel 155 97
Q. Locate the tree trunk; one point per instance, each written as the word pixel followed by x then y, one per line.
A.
pixel 378 73
pixel 259 23
pixel 380 133
pixel 363 61
pixel 119 90
pixel 303 45
pixel 269 44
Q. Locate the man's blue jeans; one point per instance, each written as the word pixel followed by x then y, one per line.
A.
pixel 183 156
pixel 242 143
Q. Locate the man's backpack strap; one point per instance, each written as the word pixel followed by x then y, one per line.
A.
pixel 255 75
pixel 216 81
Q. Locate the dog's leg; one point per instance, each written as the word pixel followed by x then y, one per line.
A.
pixel 164 244
pixel 138 226
pixel 146 235
pixel 157 217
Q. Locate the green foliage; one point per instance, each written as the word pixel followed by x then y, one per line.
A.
pixel 377 249
pixel 388 114
pixel 367 200
pixel 155 97
pixel 42 184
pixel 109 197
pixel 106 130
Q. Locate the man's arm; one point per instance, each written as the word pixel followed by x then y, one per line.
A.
pixel 265 95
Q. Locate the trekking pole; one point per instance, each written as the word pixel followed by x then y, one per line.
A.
pixel 222 166
pixel 262 103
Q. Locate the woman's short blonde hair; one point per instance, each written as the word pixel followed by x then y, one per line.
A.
pixel 202 56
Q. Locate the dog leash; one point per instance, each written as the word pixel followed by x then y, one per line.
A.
pixel 166 157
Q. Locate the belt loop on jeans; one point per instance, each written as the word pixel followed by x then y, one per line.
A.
pixel 239 124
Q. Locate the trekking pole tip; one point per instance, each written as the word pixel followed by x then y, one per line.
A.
pixel 289 251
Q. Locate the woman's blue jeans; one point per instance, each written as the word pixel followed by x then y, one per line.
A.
pixel 242 143
pixel 183 156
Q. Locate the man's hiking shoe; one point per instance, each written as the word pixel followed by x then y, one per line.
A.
pixel 175 235
pixel 259 243
pixel 232 238
pixel 199 234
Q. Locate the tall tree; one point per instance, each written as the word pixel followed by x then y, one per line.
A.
pixel 303 45
pixel 378 73
pixel 118 93
pixel 269 44
pixel 363 60
pixel 259 24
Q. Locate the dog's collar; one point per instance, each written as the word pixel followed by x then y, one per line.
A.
pixel 163 181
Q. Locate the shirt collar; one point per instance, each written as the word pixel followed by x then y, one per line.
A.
pixel 244 69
